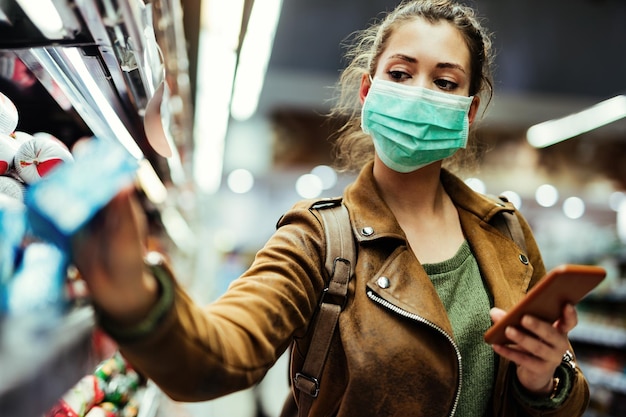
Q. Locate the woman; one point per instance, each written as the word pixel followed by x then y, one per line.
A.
pixel 407 345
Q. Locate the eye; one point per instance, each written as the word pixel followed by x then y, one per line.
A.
pixel 398 75
pixel 446 85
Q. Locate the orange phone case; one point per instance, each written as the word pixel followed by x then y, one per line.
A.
pixel 563 284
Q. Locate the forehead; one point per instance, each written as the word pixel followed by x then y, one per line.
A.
pixel 440 41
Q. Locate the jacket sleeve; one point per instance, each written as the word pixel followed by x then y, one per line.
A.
pixel 571 404
pixel 199 353
pixel 575 401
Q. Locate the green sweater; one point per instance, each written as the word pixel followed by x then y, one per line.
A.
pixel 462 291
pixel 467 301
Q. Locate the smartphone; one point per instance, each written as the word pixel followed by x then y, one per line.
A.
pixel 562 285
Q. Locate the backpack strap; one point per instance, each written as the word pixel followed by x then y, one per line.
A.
pixel 340 260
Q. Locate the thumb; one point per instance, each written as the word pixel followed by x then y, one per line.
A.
pixel 496 314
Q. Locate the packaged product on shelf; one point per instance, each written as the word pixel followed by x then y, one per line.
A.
pixel 21 137
pixel 8 115
pixel 11 187
pixel 101 411
pixel 131 409
pixel 38 156
pixel 8 148
pixel 121 387
pixel 111 367
pixel 38 282
pixel 79 399
pixel 72 194
pixel 109 392
pixel 13 69
pixel 12 230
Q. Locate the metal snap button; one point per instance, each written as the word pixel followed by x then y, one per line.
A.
pixel 367 231
pixel 383 282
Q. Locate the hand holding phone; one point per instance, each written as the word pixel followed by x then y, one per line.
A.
pixel 565 284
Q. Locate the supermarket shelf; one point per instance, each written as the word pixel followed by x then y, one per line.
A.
pixel 615 294
pixel 41 359
pixel 615 381
pixel 598 334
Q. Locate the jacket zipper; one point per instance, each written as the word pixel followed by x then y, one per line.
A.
pixel 377 299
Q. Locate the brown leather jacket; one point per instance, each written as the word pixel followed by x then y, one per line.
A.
pixel 393 354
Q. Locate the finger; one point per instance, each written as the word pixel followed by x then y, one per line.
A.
pixel 526 341
pixel 496 314
pixel 522 358
pixel 140 219
pixel 539 339
pixel 568 320
pixel 126 232
pixel 540 330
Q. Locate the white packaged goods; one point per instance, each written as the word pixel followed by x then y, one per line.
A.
pixel 8 115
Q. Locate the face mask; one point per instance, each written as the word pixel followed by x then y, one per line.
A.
pixel 414 126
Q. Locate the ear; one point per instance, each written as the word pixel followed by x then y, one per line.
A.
pixel 473 110
pixel 365 87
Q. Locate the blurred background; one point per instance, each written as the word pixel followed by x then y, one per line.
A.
pixel 226 101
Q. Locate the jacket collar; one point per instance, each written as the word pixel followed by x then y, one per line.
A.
pixel 373 219
pixel 371 216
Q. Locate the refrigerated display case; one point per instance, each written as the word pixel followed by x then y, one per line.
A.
pixel 105 68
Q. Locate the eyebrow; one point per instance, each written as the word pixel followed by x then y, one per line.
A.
pixel 405 58
pixel 439 65
pixel 451 65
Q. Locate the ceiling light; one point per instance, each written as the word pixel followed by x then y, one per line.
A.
pixel 217 58
pixel 240 181
pixel 327 175
pixel 254 57
pixel 574 207
pixel 557 130
pixel 547 195
pixel 212 101
pixel 309 186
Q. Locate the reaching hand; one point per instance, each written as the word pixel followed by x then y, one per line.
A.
pixel 538 348
pixel 109 252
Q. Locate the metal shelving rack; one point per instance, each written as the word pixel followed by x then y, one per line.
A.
pixel 107 63
pixel 42 358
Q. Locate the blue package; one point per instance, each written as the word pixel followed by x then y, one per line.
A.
pixel 38 283
pixel 12 232
pixel 67 198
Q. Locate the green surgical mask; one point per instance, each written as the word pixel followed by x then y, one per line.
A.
pixel 414 126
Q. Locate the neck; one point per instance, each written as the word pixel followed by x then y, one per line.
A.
pixel 417 191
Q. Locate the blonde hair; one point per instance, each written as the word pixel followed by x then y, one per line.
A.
pixel 354 148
